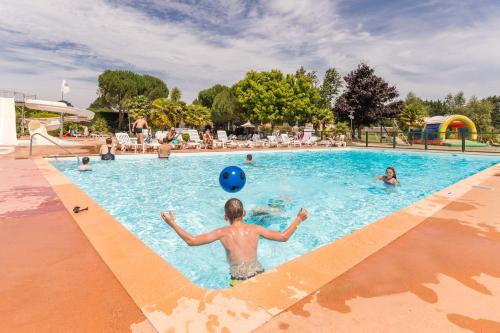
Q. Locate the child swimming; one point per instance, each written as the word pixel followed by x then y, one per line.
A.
pixel 249 159
pixel 85 166
pixel 240 240
pixel 389 178
pixel 274 207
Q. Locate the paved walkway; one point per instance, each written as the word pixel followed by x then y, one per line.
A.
pixel 442 276
pixel 51 278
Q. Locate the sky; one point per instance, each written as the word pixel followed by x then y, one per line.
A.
pixel 429 47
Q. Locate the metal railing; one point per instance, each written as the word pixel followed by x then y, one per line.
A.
pixel 461 141
pixel 49 139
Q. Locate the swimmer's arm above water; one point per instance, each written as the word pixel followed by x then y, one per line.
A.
pixel 285 235
pixel 191 240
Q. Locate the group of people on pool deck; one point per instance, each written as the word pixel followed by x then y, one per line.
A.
pixel 240 240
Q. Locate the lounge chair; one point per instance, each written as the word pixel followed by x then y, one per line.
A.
pixel 285 140
pixel 272 141
pixel 194 139
pixel 223 139
pixel 257 142
pixel 125 143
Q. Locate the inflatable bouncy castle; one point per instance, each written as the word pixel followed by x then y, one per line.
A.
pixel 448 131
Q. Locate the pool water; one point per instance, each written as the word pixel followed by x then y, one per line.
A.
pixel 335 186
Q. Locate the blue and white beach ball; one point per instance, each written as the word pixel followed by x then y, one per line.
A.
pixel 232 179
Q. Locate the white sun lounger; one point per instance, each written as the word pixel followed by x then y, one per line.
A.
pixel 125 142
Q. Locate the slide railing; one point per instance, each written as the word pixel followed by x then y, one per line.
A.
pixel 49 139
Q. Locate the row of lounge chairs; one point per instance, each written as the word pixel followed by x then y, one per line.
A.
pixel 223 141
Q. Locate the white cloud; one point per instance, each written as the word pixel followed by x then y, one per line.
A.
pixel 219 40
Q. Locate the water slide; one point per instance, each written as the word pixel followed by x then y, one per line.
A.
pixel 8 120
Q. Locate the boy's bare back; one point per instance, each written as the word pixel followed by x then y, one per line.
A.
pixel 240 240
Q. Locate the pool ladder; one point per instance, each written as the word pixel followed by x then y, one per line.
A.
pixel 47 138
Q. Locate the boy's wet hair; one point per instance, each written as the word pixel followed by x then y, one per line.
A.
pixel 233 209
pixel 109 141
pixel 249 157
pixel 85 160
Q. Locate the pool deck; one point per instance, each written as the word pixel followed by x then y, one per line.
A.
pixel 431 267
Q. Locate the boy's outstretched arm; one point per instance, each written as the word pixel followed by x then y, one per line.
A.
pixel 190 240
pixel 285 235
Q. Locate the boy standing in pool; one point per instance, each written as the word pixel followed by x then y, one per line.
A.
pixel 240 240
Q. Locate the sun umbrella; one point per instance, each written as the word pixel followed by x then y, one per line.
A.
pixel 248 125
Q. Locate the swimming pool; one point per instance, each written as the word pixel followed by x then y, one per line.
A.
pixel 334 185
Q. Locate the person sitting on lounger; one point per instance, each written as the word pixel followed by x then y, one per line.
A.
pixel 240 240
pixel 107 150
pixel 164 149
pixel 85 166
pixel 208 140
pixel 389 178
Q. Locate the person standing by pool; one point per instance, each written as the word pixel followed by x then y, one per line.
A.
pixel 164 149
pixel 107 150
pixel 137 128
pixel 389 178
pixel 240 240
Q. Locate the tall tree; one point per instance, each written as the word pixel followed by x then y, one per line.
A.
pixel 154 88
pixel 330 88
pixel 479 111
pixel 455 104
pixel 225 108
pixel 495 113
pixel 115 87
pixel 272 97
pixel 175 94
pixel 207 97
pixel 369 96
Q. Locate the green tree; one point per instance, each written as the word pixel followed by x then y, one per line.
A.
pixel 413 114
pixel 207 97
pixel 175 94
pixel 99 124
pixel 495 113
pixel 166 112
pixel 455 104
pixel 479 111
pixel 330 88
pixel 197 116
pixel 116 87
pixel 225 108
pixel 138 106
pixel 272 97
pixel 264 95
pixel 369 97
pixel 322 117
pixel 436 108
pixel 153 88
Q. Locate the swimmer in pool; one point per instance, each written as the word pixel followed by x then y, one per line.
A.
pixel 250 160
pixel 85 166
pixel 240 240
pixel 389 178
pixel 274 207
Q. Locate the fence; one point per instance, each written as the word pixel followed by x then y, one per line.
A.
pixel 461 141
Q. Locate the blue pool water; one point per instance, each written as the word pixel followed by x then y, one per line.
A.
pixel 335 186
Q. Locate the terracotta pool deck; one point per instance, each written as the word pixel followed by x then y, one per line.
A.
pixel 432 267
